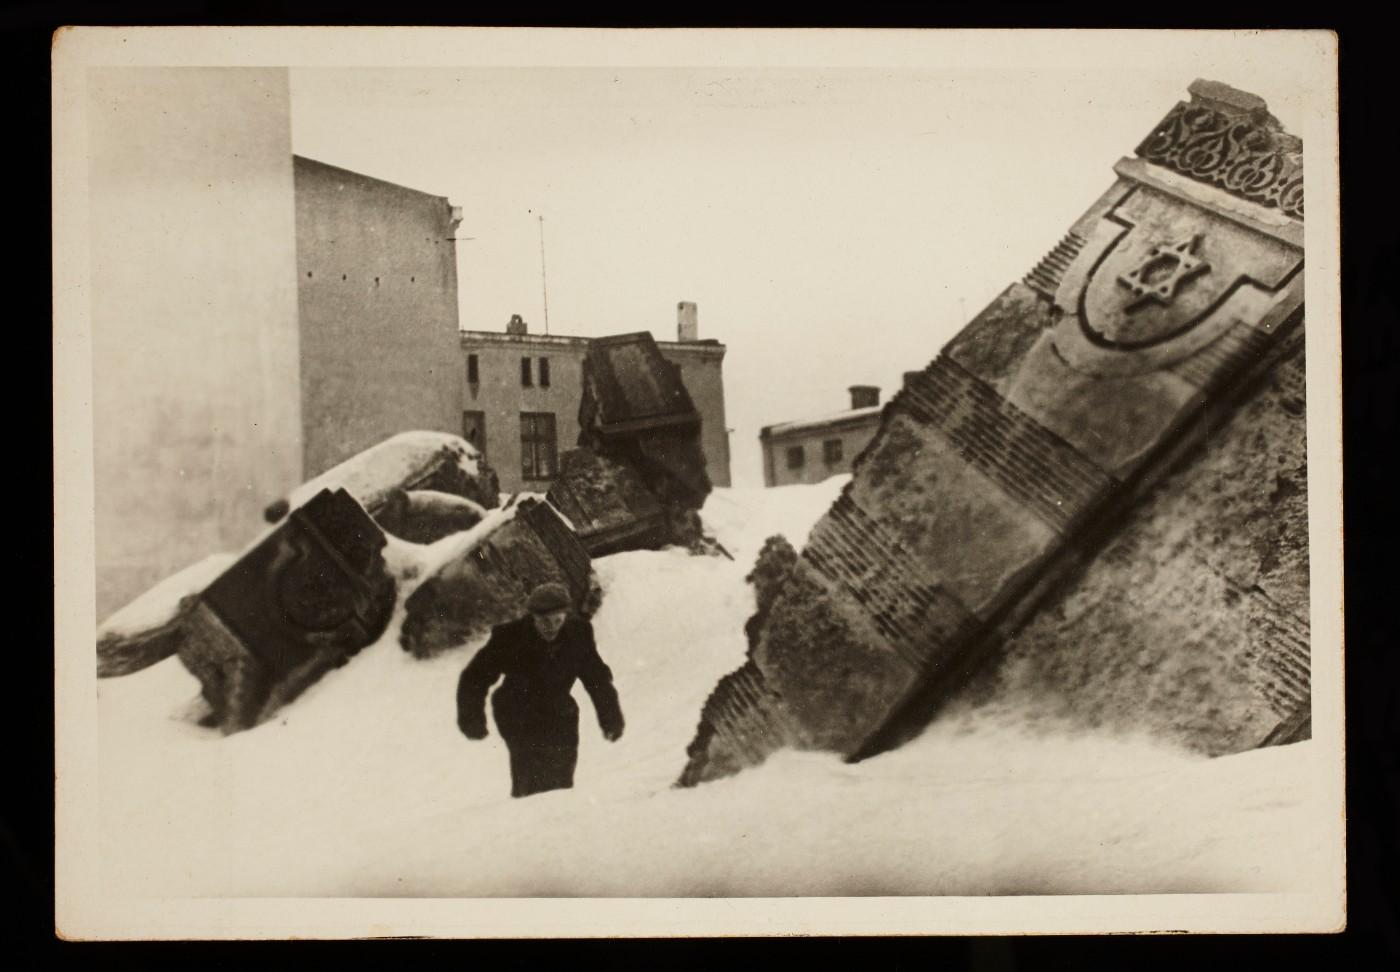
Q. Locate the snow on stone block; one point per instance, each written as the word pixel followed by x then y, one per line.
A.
pixel 486 581
pixel 408 462
pixel 427 515
pixel 301 602
pixel 149 628
pixel 608 505
pixel 639 476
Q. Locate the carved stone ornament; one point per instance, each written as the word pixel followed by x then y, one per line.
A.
pixel 1238 153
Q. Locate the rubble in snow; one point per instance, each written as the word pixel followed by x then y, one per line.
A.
pixel 486 583
pixel 406 520
pixel 149 628
pixel 638 479
pixel 299 603
pixel 410 462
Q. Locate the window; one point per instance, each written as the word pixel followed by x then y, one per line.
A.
pixel 525 373
pixel 831 451
pixel 473 374
pixel 796 459
pixel 544 372
pixel 538 448
pixel 474 429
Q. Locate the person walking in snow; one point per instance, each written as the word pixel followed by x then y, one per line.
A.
pixel 540 655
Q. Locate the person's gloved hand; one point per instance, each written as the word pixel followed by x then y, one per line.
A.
pixel 613 733
pixel 472 731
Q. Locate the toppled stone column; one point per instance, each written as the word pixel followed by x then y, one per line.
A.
pixel 301 602
pixel 1017 456
pixel 418 486
pixel 426 515
pixel 608 505
pixel 405 483
pixel 638 479
pixel 489 583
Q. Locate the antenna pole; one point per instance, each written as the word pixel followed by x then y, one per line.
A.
pixel 544 279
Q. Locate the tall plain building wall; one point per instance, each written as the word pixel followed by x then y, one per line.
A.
pixel 377 289
pixel 196 409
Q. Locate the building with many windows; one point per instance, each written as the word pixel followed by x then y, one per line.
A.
pixel 810 450
pixel 522 392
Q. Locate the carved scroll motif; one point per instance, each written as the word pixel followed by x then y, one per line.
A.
pixel 1235 153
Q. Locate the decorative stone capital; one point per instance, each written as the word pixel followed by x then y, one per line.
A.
pixel 1227 138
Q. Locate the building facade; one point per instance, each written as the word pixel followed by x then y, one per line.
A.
pixel 810 450
pixel 377 300
pixel 521 394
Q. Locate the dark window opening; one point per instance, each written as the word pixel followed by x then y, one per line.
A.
pixel 831 451
pixel 474 429
pixel 525 372
pixel 796 458
pixel 473 375
pixel 544 372
pixel 538 446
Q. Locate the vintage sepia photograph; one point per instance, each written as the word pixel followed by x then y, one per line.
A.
pixel 578 482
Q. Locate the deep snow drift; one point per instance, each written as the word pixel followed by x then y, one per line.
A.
pixel 364 787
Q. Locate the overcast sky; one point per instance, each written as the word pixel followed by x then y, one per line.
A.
pixel 836 226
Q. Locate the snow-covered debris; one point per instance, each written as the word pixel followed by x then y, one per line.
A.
pixel 146 630
pixel 427 515
pixel 366 788
pixel 471 581
pixel 408 461
pixel 161 603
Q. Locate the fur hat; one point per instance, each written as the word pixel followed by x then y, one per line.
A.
pixel 549 597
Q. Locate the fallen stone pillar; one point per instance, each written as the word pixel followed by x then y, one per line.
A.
pixel 608 505
pixel 638 478
pixel 1014 459
pixel 300 602
pixel 426 466
pixel 489 583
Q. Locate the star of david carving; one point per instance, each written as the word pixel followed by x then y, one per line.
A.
pixel 1163 271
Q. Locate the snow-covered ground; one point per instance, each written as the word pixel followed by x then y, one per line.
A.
pixel 364 787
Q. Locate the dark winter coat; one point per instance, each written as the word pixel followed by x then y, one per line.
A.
pixel 535 714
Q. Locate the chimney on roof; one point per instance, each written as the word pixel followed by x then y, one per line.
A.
pixel 864 396
pixel 687 321
pixel 517 325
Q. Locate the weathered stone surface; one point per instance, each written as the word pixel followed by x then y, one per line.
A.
pixel 608 505
pixel 425 515
pixel 490 583
pixel 1191 623
pixel 411 462
pixel 302 601
pixel 638 479
pixel 1017 453
pixel 150 628
pixel 124 653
